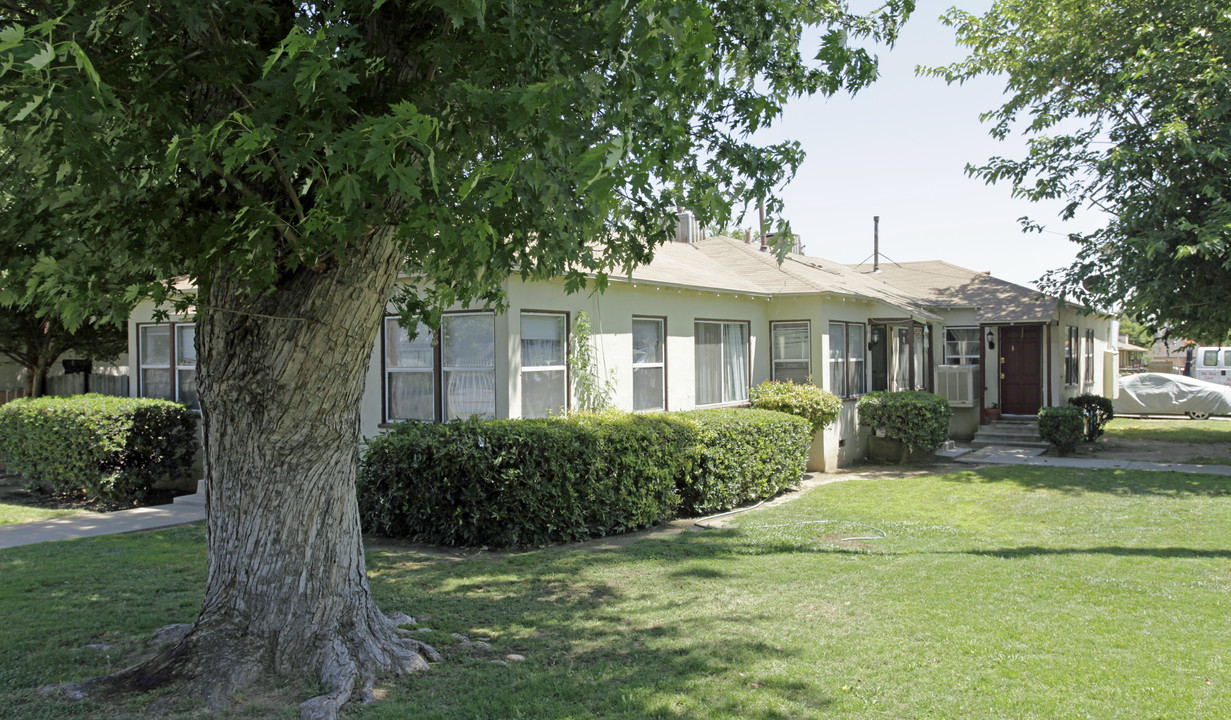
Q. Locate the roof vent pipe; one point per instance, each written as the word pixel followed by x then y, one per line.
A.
pixel 876 243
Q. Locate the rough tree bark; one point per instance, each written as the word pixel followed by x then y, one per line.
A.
pixel 281 377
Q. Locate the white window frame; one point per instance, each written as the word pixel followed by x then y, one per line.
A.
pixel 446 369
pixel 174 362
pixel 388 370
pixel 853 361
pixel 661 366
pixel 561 368
pixel 1088 359
pixel 1072 372
pixel 954 358
pixel 722 365
pixel 773 345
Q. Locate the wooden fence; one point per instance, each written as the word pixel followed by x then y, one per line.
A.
pixel 79 383
pixel 7 395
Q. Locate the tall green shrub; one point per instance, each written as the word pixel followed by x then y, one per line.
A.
pixel 112 449
pixel 742 455
pixel 1099 412
pixel 523 482
pixel 1063 427
pixel 817 406
pixel 919 419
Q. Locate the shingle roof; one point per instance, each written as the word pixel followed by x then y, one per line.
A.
pixel 725 264
pixel 940 285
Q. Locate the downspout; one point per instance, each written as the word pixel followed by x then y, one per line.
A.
pixel 982 376
pixel 1049 373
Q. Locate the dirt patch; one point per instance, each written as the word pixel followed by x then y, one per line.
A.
pixel 1160 451
pixel 16 491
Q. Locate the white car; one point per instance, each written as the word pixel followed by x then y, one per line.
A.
pixel 1165 394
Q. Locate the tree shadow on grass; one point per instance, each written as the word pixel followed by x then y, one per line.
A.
pixel 1082 480
pixel 625 633
pixel 629 633
pixel 1158 552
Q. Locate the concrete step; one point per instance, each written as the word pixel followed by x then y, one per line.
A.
pixel 1007 435
pixel 999 442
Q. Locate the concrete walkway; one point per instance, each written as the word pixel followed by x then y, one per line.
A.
pixel 186 509
pixel 994 455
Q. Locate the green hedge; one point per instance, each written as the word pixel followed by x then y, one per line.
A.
pixel 522 482
pixel 817 406
pixel 1064 427
pixel 919 419
pixel 507 483
pixel 742 455
pixel 1099 412
pixel 112 449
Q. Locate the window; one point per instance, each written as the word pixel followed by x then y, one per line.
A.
pixel 961 346
pixel 468 365
pixel 167 356
pixel 846 359
pixel 649 364
pixel 544 369
pixel 450 379
pixel 1070 356
pixel 792 351
pixel 1088 375
pixel 1209 358
pixel 722 369
pixel 410 373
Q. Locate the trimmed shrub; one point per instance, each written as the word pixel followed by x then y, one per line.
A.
pixel 523 482
pixel 1063 427
pixel 741 455
pixel 1098 411
pixel 817 406
pixel 112 449
pixel 919 419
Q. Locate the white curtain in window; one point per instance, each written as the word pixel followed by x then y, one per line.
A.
pixel 837 359
pixel 901 359
pixel 735 362
pixel 647 341
pixel 855 354
pixel 708 362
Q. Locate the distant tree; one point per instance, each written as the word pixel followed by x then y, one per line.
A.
pixel 293 158
pixel 36 343
pixel 1136 332
pixel 1127 108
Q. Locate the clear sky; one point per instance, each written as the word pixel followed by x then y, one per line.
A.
pixel 898 150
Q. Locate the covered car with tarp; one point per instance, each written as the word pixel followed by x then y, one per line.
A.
pixel 1164 394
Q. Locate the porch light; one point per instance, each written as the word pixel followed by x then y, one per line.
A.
pixel 991 340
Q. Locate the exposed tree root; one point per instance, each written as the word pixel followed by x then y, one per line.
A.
pixel 215 664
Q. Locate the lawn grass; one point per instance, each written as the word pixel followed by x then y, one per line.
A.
pixel 1179 430
pixel 1001 593
pixel 11 513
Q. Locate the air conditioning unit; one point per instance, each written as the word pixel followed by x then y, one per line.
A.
pixel 956 383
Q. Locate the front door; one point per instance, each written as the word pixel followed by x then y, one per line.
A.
pixel 1021 381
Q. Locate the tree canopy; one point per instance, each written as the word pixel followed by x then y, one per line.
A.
pixel 1126 105
pixel 264 137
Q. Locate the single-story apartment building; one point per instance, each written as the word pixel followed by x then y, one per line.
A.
pixel 697 327
pixel 1007 349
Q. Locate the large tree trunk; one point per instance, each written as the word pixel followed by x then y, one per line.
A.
pixel 281 378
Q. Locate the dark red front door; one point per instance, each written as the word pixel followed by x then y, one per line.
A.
pixel 1021 381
